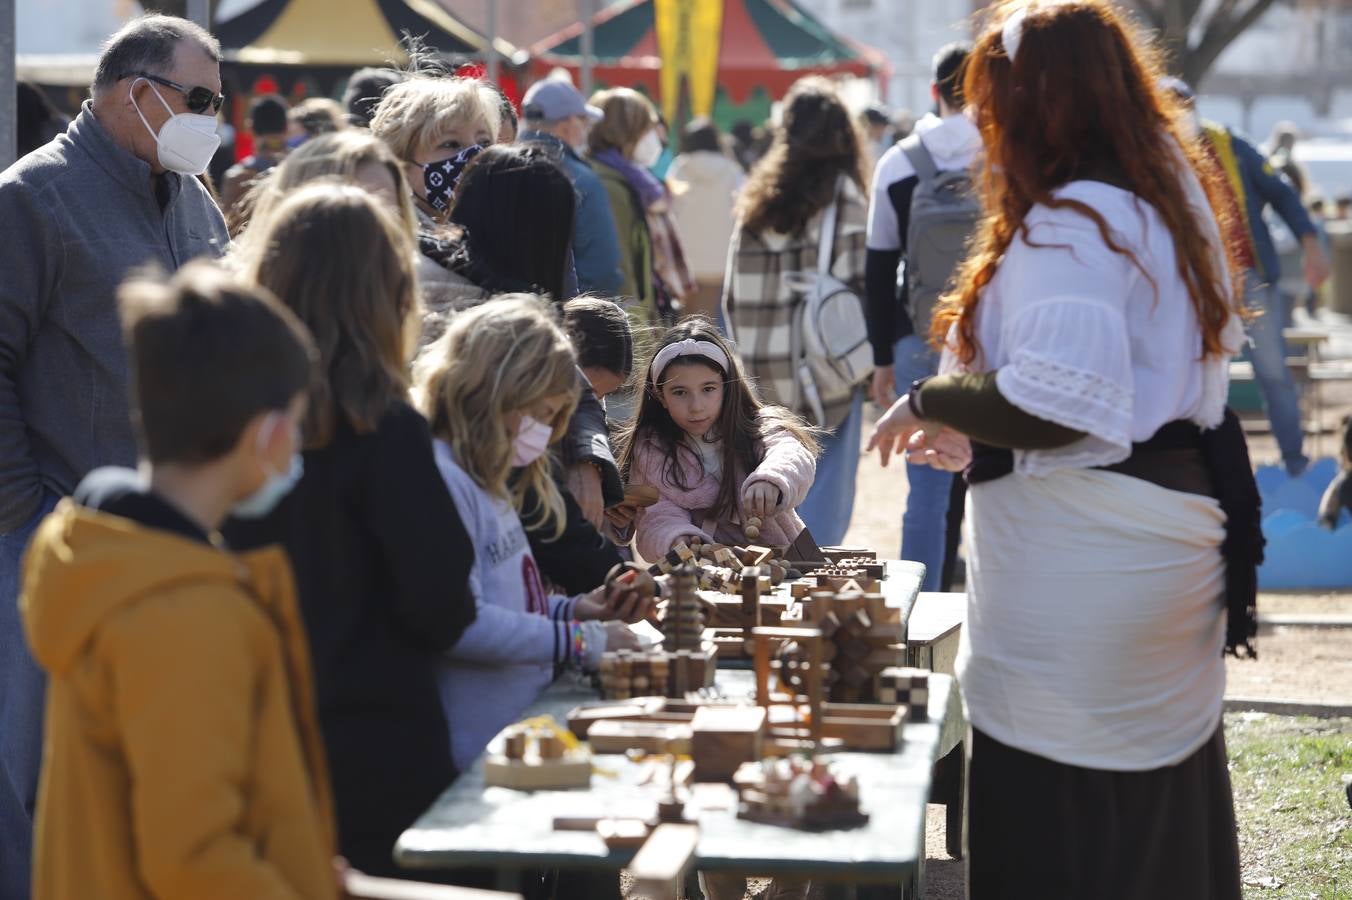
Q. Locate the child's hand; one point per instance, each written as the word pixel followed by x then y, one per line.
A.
pixel 621 517
pixel 620 636
pixel 630 600
pixel 761 499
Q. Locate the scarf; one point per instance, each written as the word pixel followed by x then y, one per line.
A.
pixel 650 190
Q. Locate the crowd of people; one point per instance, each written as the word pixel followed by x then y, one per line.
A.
pixel 310 486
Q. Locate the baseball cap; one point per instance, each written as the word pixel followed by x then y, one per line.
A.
pixel 552 100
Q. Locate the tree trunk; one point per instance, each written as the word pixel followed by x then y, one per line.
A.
pixel 1217 25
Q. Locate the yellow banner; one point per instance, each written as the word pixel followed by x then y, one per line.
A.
pixel 689 34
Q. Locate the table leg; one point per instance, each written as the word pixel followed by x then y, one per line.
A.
pixel 949 787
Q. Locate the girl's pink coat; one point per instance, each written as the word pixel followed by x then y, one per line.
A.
pixel 787 465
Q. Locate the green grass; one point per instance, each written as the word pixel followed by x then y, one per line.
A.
pixel 1295 826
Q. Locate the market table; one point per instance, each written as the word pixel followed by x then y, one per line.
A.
pixel 472 825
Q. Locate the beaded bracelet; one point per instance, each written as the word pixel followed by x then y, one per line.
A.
pixel 579 643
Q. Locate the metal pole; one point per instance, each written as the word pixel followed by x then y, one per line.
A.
pixel 493 41
pixel 588 45
pixel 9 136
pixel 199 11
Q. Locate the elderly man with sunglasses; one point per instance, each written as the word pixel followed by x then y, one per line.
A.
pixel 119 190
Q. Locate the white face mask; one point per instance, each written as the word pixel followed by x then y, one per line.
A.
pixel 186 142
pixel 531 441
pixel 649 150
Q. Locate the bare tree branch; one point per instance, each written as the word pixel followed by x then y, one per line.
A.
pixel 1219 34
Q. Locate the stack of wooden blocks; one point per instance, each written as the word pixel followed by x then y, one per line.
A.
pixel 655 673
pixel 530 758
pixel 798 793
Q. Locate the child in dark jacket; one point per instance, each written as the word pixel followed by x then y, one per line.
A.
pixel 381 556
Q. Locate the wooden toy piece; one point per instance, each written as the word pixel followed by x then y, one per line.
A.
pixel 682 550
pixel 641 495
pixel 582 718
pixel 759 555
pixel 660 865
pixel 798 793
pixel 360 886
pixel 683 625
pixel 811 638
pixel 752 527
pixel 906 687
pixel 724 737
pixel 621 736
pixel 550 760
pixel 623 834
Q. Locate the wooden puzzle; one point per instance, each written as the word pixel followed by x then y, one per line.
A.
pixel 656 673
pixel 536 755
pixel 851 726
pixel 907 687
pixel 863 636
pixel 798 793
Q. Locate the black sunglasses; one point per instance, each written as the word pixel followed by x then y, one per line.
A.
pixel 199 98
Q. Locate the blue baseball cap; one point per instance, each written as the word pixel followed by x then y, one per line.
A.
pixel 553 100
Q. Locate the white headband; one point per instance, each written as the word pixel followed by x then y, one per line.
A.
pixel 1011 35
pixel 687 347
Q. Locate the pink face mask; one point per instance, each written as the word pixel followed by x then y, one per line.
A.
pixel 531 441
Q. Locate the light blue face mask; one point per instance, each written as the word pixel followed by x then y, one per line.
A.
pixel 264 500
pixel 275 486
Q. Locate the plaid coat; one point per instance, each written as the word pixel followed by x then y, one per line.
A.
pixel 759 304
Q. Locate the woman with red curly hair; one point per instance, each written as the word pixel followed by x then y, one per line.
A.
pixel 1113 519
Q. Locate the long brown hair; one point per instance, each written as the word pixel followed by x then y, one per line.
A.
pixel 817 141
pixel 345 267
pixel 742 425
pixel 1081 99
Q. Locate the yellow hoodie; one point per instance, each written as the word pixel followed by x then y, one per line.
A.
pixel 182 756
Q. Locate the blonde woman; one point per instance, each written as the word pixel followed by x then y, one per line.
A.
pixel 498 389
pixel 381 557
pixel 435 126
pixel 624 145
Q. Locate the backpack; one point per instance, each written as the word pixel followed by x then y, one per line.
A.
pixel 829 342
pixel 944 214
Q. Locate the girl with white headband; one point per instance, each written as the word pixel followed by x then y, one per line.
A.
pixel 717 454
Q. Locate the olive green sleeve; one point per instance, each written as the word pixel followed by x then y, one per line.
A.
pixel 973 405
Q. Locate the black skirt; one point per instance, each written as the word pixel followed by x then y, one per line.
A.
pixel 1042 829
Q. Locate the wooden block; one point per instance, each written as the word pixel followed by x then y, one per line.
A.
pixel 623 834
pixel 573 771
pixel 620 736
pixel 641 495
pixel 722 738
pixel 683 551
pixel 759 555
pixel 659 865
pixel 366 887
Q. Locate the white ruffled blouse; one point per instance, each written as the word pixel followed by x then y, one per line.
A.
pixel 1080 335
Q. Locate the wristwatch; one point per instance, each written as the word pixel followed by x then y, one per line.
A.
pixel 913 397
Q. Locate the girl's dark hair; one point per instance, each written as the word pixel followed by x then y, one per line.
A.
pixel 701 135
pixel 599 331
pixel 817 142
pixel 742 425
pixel 516 207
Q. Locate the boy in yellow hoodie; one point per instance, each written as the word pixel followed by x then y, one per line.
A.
pixel 182 758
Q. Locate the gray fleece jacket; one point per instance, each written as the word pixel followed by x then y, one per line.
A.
pixel 78 215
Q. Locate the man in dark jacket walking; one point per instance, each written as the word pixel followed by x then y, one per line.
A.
pixel 117 191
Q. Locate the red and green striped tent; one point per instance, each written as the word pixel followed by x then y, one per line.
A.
pixel 766 46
